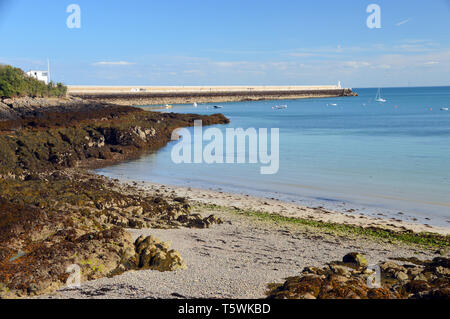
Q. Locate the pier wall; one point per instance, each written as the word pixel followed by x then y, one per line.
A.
pixel 182 95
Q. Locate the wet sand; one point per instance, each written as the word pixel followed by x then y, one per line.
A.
pixel 247 202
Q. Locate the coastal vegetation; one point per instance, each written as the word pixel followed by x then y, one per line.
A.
pixel 15 83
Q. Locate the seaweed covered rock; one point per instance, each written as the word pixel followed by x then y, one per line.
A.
pixel 329 286
pixel 52 220
pixel 41 267
pixel 355 258
pixel 53 214
pixel 152 253
pixel 197 221
pixel 86 134
pixel 337 281
pixel 99 202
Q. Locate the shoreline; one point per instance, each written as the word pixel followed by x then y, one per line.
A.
pixel 362 206
pixel 247 202
pixel 237 259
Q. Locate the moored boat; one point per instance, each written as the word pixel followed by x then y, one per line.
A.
pixel 378 98
pixel 279 107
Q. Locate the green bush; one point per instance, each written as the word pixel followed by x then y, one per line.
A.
pixel 15 83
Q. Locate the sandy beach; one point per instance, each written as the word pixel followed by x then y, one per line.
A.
pixel 274 206
pixel 238 258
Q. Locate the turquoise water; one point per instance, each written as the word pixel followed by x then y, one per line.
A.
pixel 375 158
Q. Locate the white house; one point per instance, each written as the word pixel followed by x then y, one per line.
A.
pixel 138 90
pixel 40 75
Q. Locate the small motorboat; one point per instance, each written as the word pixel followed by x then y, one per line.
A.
pixel 444 109
pixel 217 106
pixel 279 107
pixel 168 106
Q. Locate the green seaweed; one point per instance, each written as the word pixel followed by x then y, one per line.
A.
pixel 425 239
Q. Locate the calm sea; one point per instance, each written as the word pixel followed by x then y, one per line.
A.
pixel 391 158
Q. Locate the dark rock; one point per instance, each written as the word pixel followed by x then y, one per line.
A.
pixel 336 282
pixel 152 253
pixel 355 258
pixel 416 286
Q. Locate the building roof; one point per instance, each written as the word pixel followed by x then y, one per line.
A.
pixel 37 71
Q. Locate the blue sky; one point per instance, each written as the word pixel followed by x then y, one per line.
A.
pixel 211 42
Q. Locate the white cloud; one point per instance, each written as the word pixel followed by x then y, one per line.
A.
pixel 302 55
pixel 403 22
pixel 356 64
pixel 382 66
pixel 113 63
pixel 193 71
pixel 229 64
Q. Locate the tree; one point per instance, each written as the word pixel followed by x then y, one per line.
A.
pixel 15 83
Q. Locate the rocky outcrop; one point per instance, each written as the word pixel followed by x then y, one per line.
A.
pixel 92 136
pixel 351 279
pixel 15 108
pixel 37 250
pixel 197 221
pixel 54 215
pixel 355 258
pixel 349 92
pixel 42 266
pixel 6 113
pixel 52 220
pixel 152 253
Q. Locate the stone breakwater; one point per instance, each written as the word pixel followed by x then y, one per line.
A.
pixel 204 96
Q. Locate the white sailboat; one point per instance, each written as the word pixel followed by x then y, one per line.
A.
pixel 195 104
pixel 378 98
pixel 279 107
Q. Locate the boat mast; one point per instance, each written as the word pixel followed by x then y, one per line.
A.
pixel 48 70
